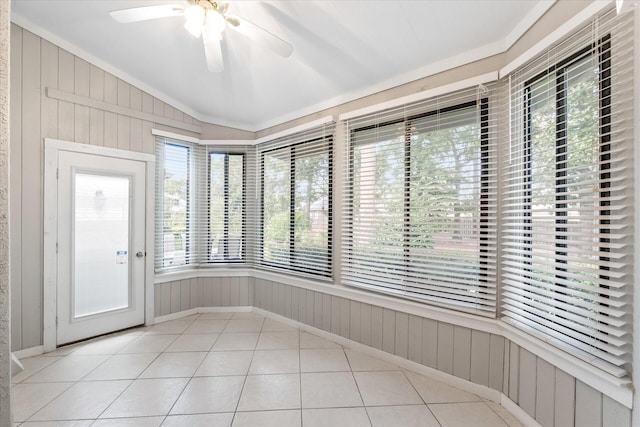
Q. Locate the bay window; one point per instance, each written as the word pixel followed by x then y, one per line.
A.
pixel 567 250
pixel 418 216
pixel 296 197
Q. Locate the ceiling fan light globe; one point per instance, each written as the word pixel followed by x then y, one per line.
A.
pixel 194 16
pixel 215 23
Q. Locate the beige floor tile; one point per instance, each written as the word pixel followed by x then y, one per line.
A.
pixel 386 388
pixel 236 341
pixel 31 365
pixel 174 365
pixel 82 401
pixel 362 362
pixel 27 399
pixel 122 367
pixel 433 391
pixel 106 345
pixel 244 325
pixel 69 368
pixel 147 397
pixel 209 394
pixel 199 420
pixel 278 341
pixel 73 423
pixel 275 362
pixel 343 417
pixel 247 315
pixel 323 360
pixel 149 343
pixel 193 342
pixel 329 390
pixel 129 422
pixel 271 325
pixel 393 416
pixel 270 392
pixel 206 326
pixel 308 340
pixel 290 418
pixel 82 379
pixel 171 326
pixel 218 363
pixel 477 414
pixel 216 316
pixel 506 416
pixel 64 350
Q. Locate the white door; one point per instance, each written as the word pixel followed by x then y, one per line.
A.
pixel 101 237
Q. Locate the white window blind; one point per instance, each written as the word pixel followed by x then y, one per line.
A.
pixel 295 184
pixel 227 204
pixel 419 202
pixel 567 197
pixel 201 204
pixel 176 182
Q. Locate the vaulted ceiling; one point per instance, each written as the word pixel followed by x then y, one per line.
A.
pixel 343 50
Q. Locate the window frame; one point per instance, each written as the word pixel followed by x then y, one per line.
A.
pixel 292 265
pixel 484 198
pixel 601 50
pixel 188 214
pixel 243 253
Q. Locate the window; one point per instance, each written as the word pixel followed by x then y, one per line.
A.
pixel 200 205
pixel 173 205
pixel 226 207
pixel 418 217
pixel 296 203
pixel 566 254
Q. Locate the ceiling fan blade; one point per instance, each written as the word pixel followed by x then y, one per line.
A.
pixel 137 14
pixel 213 52
pixel 260 35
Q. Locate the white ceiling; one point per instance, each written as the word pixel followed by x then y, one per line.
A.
pixel 343 50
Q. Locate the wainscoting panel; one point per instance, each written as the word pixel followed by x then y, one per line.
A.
pixel 181 295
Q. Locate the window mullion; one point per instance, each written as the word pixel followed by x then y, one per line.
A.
pixel 484 190
pixel 527 180
pixel 225 223
pixel 407 199
pixel 561 161
pixel 292 207
pixel 604 60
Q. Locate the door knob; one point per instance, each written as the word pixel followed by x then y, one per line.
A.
pixel 139 254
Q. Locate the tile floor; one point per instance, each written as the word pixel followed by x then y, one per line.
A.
pixel 233 369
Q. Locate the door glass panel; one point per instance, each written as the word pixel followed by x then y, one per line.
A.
pixel 101 244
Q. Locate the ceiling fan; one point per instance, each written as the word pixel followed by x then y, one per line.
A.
pixel 207 18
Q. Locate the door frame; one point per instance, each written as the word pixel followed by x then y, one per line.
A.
pixel 52 148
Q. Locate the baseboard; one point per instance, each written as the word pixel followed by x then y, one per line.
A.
pixel 29 352
pixel 199 310
pixel 239 309
pixel 16 366
pixel 175 316
pixel 518 412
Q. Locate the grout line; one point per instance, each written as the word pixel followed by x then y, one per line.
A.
pixel 300 373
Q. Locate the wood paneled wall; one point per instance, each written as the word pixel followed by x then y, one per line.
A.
pixel 36 65
pixel 180 295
